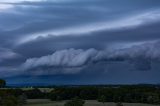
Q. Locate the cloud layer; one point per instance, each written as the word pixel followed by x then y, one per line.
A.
pixel 127 22
pixel 80 38
pixel 141 56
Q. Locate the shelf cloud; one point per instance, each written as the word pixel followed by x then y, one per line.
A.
pixel 109 39
pixel 140 56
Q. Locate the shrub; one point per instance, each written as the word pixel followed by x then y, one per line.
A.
pixel 102 99
pixel 119 104
pixel 75 102
pixel 9 101
pixel 22 99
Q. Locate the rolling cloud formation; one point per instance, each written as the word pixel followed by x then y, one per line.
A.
pixel 140 56
pixel 67 39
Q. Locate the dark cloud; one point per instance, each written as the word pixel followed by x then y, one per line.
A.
pixel 36 38
pixel 21 21
pixel 98 40
pixel 73 61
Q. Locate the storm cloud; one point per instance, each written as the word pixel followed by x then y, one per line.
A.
pixel 82 38
pixel 141 56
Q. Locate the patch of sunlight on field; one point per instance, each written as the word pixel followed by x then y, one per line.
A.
pixel 30 88
pixel 138 104
pixel 46 102
pixel 43 102
pixel 41 89
pixel 95 103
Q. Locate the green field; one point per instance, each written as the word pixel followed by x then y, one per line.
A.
pixel 45 102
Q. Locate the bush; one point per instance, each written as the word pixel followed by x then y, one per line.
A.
pixel 102 99
pixel 119 104
pixel 75 102
pixel 11 98
pixel 35 94
pixel 9 101
pixel 22 99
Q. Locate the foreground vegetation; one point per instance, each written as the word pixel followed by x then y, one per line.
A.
pixel 121 94
pixel 76 95
pixel 46 102
pixel 128 94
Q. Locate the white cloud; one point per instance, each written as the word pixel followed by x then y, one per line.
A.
pixel 16 1
pixel 4 7
pixel 128 22
pixel 62 58
pixel 7 4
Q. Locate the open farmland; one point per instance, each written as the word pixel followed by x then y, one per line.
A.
pixel 46 102
pixel 41 89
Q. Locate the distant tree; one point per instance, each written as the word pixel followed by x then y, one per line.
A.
pixel 75 102
pixel 88 93
pixel 122 93
pixel 102 99
pixel 2 83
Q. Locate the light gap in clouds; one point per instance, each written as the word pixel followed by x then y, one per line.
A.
pixel 4 7
pixel 20 1
pixel 8 4
pixel 17 1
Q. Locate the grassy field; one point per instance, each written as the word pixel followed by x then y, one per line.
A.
pixel 41 89
pixel 30 88
pixel 45 102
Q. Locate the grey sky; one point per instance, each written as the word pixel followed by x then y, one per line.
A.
pixel 33 29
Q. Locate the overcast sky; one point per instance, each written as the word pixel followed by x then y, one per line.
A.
pixel 80 41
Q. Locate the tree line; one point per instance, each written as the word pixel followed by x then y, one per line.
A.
pixel 131 94
pixel 119 93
